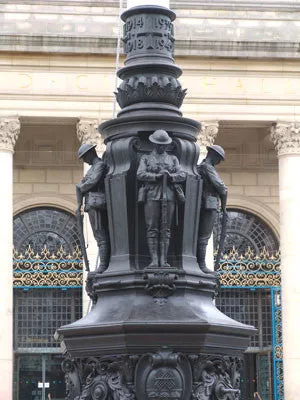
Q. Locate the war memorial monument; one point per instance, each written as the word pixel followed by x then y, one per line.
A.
pixel 154 332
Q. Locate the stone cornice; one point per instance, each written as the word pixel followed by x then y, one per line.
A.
pixel 286 137
pixel 87 132
pixel 9 132
pixel 202 48
pixel 270 5
pixel 65 44
pixel 236 5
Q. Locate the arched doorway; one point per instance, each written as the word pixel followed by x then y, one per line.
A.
pixel 44 237
pixel 247 238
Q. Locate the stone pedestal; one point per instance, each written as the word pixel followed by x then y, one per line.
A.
pixel 9 131
pixel 286 136
pixel 153 333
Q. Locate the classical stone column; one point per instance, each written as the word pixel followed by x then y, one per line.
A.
pixel 87 132
pixel 286 137
pixel 207 136
pixel 9 132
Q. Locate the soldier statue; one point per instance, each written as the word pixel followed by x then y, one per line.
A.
pixel 161 175
pixel 213 190
pixel 91 190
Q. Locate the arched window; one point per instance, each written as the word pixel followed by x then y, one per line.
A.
pixel 245 230
pixel 45 226
pixel 40 310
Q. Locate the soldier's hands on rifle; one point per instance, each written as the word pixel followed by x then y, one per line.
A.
pixel 168 173
pixel 159 176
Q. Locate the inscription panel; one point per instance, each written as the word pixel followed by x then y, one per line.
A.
pixel 152 33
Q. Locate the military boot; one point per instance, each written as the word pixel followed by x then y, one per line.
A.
pixel 164 246
pixel 201 253
pixel 153 250
pixel 104 255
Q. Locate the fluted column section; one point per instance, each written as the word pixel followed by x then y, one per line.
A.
pixel 87 132
pixel 207 136
pixel 9 132
pixel 286 137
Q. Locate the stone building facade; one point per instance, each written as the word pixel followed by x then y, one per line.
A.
pixel 240 62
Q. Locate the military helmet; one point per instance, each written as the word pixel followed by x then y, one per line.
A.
pixel 84 148
pixel 217 149
pixel 160 137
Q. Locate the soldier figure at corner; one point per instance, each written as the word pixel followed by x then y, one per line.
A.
pixel 91 190
pixel 161 176
pixel 213 190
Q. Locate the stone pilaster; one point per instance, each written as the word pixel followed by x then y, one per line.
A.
pixel 87 132
pixel 207 136
pixel 286 138
pixel 9 132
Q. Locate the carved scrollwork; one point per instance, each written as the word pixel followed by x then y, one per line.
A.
pixel 105 378
pixel 215 377
pixel 160 284
pixel 89 287
pixel 158 376
pixel 72 378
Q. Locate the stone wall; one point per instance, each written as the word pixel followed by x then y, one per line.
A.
pixel 205 28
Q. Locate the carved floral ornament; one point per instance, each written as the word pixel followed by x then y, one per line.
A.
pixel 286 137
pixel 9 132
pixel 208 134
pixel 87 132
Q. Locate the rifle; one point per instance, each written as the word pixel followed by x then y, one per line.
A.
pixel 222 239
pixel 79 220
pixel 164 207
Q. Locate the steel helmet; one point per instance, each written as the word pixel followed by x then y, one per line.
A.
pixel 217 149
pixel 160 137
pixel 84 148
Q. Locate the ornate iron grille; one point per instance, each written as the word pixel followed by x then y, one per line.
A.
pixel 39 312
pixel 252 307
pixel 45 269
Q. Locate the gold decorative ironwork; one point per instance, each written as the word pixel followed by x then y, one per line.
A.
pixel 250 269
pixel 278 352
pixel 47 269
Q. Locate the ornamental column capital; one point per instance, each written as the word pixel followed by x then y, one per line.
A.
pixel 87 132
pixel 286 137
pixel 208 133
pixel 9 132
pixel 207 136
